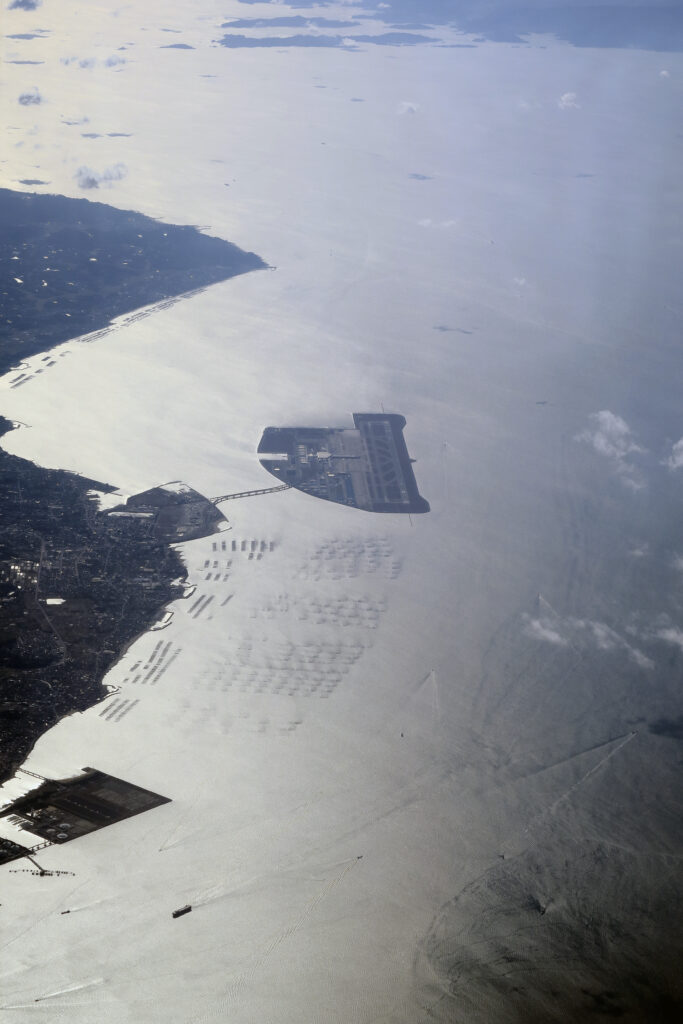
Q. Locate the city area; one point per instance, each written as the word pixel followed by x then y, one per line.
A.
pixel 77 585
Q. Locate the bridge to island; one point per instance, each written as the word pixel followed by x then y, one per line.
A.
pixel 250 494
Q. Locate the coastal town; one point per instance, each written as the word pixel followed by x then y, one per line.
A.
pixel 77 585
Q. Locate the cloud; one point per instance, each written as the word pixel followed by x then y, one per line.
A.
pixel 30 98
pixel 640 552
pixel 87 178
pixel 672 636
pixel 612 438
pixel 427 222
pixel 524 104
pixel 543 629
pixel 678 563
pixel 665 74
pixel 581 634
pixel 567 101
pixel 611 435
pixel 641 660
pixel 607 639
pixel 24 5
pixel 675 460
pixel 407 107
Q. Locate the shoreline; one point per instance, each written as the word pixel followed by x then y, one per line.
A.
pixel 115 581
pixel 114 578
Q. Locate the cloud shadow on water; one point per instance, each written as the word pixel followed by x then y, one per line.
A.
pixel 30 98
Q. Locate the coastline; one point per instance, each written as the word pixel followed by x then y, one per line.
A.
pixel 106 582
pixel 122 264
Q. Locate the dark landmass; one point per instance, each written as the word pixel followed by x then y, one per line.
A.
pixel 367 467
pixel 5 425
pixel 63 809
pixel 78 585
pixel 289 21
pixel 70 266
pixel 617 23
pixel 113 575
pixel 235 41
pixel 643 27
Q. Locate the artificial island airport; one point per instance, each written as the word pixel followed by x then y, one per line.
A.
pixel 366 467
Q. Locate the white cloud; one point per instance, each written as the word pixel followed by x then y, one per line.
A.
pixel 672 636
pixel 612 435
pixel 675 460
pixel 605 638
pixel 678 563
pixel 612 438
pixel 543 629
pixel 427 222
pixel 567 101
pixel 581 634
pixel 641 660
pixel 665 74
